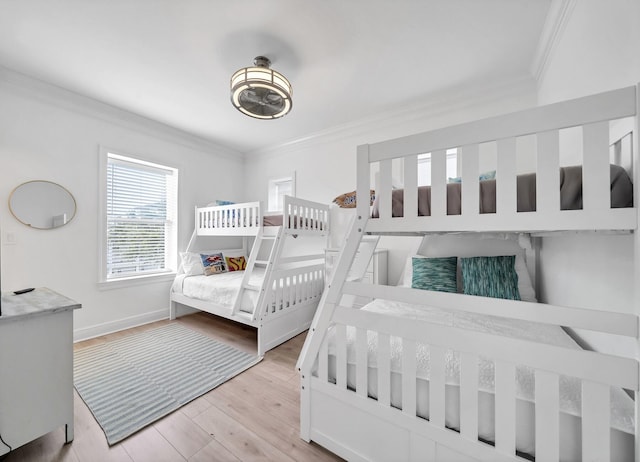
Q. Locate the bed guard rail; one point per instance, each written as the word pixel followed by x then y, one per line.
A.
pixel 243 219
pixel 597 374
pixel 542 137
pixel 305 217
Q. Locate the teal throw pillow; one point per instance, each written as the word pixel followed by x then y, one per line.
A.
pixel 434 274
pixel 490 277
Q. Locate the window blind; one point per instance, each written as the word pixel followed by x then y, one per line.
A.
pixel 140 217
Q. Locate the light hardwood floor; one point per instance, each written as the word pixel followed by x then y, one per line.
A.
pixel 252 417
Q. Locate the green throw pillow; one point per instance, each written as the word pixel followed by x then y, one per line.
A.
pixel 434 274
pixel 490 277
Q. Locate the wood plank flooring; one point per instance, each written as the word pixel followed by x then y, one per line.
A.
pixel 252 417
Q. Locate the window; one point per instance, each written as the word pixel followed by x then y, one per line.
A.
pixel 278 188
pixel 139 213
pixel 424 167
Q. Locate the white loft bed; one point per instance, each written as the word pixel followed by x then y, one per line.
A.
pixel 366 392
pixel 280 288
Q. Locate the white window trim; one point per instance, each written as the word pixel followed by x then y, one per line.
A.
pixel 103 282
pixel 271 196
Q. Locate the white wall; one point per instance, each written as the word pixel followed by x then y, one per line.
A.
pixel 50 134
pixel 325 164
pixel 598 49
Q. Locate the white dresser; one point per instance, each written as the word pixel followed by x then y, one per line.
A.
pixel 36 364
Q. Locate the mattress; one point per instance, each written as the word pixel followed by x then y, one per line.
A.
pixel 221 289
pixel 570 194
pixel 272 220
pixel 622 406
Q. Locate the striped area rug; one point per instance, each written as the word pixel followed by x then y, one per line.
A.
pixel 131 382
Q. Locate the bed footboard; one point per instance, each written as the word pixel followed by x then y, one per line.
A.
pixel 366 381
pixel 290 305
pixel 303 217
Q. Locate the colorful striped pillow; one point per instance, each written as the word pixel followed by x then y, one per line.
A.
pixel 236 263
pixel 490 277
pixel 435 274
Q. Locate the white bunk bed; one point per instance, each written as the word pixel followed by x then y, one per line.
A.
pixel 428 375
pixel 280 288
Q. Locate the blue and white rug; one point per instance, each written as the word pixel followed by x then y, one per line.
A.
pixel 131 382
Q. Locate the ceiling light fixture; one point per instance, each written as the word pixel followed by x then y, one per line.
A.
pixel 261 92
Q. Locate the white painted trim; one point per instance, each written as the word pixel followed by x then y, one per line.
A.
pixel 158 278
pixel 97 330
pixel 558 16
pixel 85 105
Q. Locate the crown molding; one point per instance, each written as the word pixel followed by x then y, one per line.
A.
pixel 75 102
pixel 454 100
pixel 558 16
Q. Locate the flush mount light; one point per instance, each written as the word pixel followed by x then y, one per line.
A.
pixel 261 92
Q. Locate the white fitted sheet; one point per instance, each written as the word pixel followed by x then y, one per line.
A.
pixel 221 289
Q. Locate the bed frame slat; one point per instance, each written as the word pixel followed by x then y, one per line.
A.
pixel 437 385
pixel 411 186
pixel 469 395
pixel 384 371
pixel 506 192
pixel 547 427
pixel 470 191
pixel 323 361
pixel 409 377
pixel 361 362
pixel 341 356
pixel 505 402
pixel 595 170
pixel 385 187
pixel 547 177
pixel 439 183
pixel 595 422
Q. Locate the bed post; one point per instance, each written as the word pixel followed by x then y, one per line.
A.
pixel 333 293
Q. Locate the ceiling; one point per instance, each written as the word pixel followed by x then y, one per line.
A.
pixel 171 60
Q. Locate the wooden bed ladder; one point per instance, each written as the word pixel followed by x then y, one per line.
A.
pixel 258 249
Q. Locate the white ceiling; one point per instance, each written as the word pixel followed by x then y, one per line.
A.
pixel 171 60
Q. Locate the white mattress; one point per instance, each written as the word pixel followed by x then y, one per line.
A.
pixel 221 289
pixel 622 406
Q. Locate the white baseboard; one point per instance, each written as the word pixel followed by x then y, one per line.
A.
pixel 97 330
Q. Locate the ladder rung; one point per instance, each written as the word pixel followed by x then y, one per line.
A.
pixel 269 237
pixel 252 287
pixel 261 262
pixel 244 314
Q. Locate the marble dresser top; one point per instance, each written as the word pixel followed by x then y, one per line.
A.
pixel 38 302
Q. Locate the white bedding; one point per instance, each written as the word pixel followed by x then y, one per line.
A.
pixel 221 289
pixel 622 406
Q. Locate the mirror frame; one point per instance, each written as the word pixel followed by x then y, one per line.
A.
pixel 15 215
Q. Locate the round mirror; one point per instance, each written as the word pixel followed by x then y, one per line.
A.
pixel 42 204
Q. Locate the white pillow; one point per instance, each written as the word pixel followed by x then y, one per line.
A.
pixel 191 263
pixel 468 245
